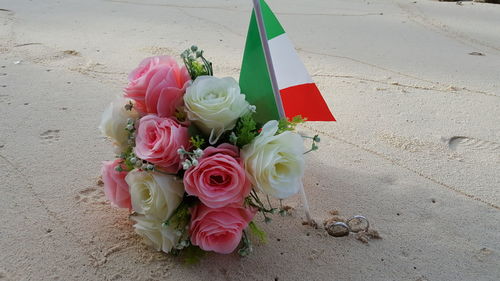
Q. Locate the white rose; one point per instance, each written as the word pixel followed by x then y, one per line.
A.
pixel 153 194
pixel 215 104
pixel 114 121
pixel 275 163
pixel 156 234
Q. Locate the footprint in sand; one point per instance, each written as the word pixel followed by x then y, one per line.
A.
pixel 91 195
pixel 474 147
pixel 49 55
pixel 483 254
pixel 460 143
pixel 50 136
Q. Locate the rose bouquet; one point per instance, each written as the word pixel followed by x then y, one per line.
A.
pixel 196 153
pixel 192 163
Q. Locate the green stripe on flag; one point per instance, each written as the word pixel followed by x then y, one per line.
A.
pixel 254 77
pixel 299 94
pixel 273 26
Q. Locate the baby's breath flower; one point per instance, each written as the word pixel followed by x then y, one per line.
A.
pixel 186 164
pixel 198 153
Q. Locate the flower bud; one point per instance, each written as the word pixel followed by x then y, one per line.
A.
pixel 198 153
pixel 186 164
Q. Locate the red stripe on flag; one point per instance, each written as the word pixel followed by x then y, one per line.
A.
pixel 305 100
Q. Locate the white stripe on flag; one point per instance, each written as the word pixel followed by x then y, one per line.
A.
pixel 289 69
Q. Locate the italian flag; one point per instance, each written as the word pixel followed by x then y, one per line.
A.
pixel 274 62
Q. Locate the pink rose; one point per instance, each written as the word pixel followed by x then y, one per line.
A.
pixel 157 86
pixel 158 140
pixel 220 229
pixel 219 179
pixel 115 186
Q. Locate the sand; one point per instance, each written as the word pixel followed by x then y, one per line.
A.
pixel 416 149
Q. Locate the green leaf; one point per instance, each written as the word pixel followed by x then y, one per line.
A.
pixel 246 130
pixel 199 68
pixel 197 141
pixel 180 218
pixel 259 233
pixel 289 125
pixel 129 154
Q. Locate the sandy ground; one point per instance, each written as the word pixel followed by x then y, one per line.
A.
pixel 414 85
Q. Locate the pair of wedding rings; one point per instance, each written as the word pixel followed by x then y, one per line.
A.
pixel 355 224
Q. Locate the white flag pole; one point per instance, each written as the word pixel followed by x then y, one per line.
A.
pixel 267 55
pixel 276 90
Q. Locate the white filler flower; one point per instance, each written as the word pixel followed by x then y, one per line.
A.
pixel 275 163
pixel 215 104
